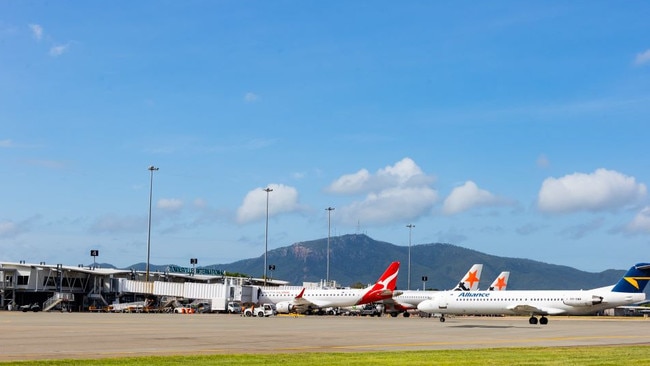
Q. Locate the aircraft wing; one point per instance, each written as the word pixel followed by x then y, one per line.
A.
pixel 528 309
pixel 300 302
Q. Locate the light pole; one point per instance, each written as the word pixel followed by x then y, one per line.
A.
pixel 408 281
pixel 266 233
pixel 193 262
pixel 94 253
pixel 151 170
pixel 329 221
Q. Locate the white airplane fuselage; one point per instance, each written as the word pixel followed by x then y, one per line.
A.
pixel 409 299
pixel 550 302
pixel 320 298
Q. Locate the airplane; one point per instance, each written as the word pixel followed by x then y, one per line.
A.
pixel 303 300
pixel 628 290
pixel 409 299
pixel 501 282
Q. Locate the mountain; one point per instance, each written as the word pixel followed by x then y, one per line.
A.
pixel 358 258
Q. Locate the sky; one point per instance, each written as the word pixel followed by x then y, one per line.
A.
pixel 518 129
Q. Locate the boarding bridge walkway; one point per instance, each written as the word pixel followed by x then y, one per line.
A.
pixel 218 293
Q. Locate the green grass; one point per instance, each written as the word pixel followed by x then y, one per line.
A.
pixel 614 355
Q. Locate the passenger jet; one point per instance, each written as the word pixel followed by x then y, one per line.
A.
pixel 628 290
pixel 302 300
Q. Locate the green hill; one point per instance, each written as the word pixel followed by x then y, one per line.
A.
pixel 358 258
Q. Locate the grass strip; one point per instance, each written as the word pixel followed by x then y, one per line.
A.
pixel 592 356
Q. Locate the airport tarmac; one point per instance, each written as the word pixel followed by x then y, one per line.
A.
pixel 37 336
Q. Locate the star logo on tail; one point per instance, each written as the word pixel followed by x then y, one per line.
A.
pixel 471 278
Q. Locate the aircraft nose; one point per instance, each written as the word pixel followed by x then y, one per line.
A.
pixel 425 305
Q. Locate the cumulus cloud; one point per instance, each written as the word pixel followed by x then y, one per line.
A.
pixel 405 173
pixel 397 192
pixel 642 58
pixel 390 205
pixel 468 196
pixel 601 190
pixel 251 97
pixel 351 183
pixel 58 50
pixel 641 222
pixel 282 199
pixel 37 31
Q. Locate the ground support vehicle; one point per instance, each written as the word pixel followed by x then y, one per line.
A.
pixel 261 311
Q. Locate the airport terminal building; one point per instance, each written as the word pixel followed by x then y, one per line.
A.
pixel 30 286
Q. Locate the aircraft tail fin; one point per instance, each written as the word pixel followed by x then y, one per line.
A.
pixel 388 280
pixel 384 287
pixel 470 281
pixel 635 279
pixel 299 296
pixel 501 282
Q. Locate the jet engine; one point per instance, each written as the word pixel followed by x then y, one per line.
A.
pixel 285 307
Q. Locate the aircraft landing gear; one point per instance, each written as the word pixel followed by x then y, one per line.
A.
pixel 442 319
pixel 543 320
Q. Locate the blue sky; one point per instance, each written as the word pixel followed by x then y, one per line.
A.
pixel 515 129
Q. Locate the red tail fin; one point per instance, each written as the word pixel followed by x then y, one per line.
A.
pixel 384 287
pixel 388 280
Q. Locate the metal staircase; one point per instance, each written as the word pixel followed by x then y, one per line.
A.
pixel 56 299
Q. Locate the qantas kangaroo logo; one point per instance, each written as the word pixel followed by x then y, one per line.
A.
pixel 384 287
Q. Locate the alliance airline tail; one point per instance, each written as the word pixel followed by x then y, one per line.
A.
pixel 628 290
pixel 303 300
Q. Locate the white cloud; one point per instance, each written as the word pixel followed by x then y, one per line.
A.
pixel 601 190
pixel 37 31
pixel 405 173
pixel 58 50
pixel 7 143
pixel 350 183
pixel 251 97
pixel 395 193
pixel 170 204
pixel 390 205
pixel 282 199
pixel 640 223
pixel 468 196
pixel 642 58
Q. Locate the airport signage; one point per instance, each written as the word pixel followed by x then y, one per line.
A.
pixel 201 271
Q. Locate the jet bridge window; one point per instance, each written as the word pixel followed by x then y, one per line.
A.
pixel 22 280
